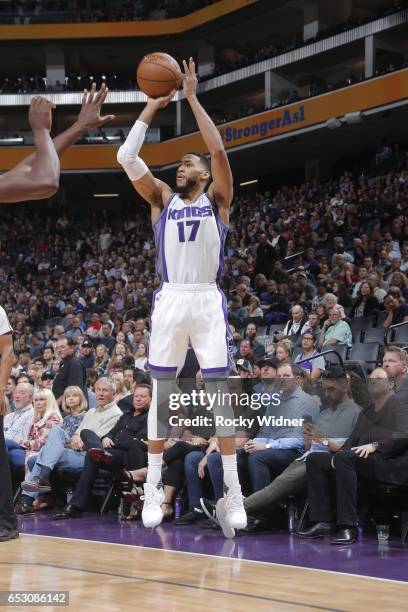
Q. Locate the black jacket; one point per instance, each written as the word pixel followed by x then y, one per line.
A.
pixel 388 427
pixel 71 372
pixel 128 428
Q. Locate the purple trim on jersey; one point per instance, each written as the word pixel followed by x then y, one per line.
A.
pixel 222 231
pixel 158 231
pixel 229 340
pixel 209 370
pixel 162 368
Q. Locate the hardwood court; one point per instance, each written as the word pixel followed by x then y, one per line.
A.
pixel 102 576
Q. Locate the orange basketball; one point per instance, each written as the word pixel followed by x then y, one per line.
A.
pixel 158 74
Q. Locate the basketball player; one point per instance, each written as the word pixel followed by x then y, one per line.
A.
pixel 35 178
pixel 190 227
pixel 40 181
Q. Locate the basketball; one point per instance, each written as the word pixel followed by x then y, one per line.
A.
pixel 158 74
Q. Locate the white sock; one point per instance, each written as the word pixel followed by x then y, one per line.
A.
pixel 154 468
pixel 229 463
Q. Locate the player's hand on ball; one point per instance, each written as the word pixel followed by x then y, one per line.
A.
pixel 190 81
pixel 39 114
pixel 90 113
pixel 161 102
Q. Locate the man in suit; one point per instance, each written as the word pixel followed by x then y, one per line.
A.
pixel 376 451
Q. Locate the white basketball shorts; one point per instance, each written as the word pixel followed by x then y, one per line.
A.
pixel 195 313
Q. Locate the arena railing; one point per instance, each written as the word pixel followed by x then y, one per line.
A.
pixel 322 354
pixel 392 328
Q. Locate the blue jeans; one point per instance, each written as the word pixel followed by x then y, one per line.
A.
pixel 54 454
pixel 265 465
pixel 216 471
pixel 16 453
pixel 194 482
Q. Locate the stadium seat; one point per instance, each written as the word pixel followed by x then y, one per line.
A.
pixel 275 327
pixel 261 330
pixel 358 327
pixel 341 350
pixel 296 351
pixel 401 335
pixel 375 334
pixel 366 352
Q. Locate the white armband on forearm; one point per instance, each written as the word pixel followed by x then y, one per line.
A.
pixel 128 154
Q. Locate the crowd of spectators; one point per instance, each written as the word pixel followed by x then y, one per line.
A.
pixel 306 259
pixel 91 11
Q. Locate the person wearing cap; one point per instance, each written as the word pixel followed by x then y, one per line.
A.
pixel 268 366
pixel 244 368
pixel 46 380
pixel 87 354
pixel 333 425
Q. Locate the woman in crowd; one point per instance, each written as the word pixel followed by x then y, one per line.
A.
pixel 365 303
pixel 101 359
pixel 46 415
pixel 141 356
pixel 254 308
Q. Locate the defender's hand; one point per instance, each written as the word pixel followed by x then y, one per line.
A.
pixel 90 113
pixel 39 114
pixel 190 81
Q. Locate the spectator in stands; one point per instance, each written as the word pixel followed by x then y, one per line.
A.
pixel 395 363
pixel 47 380
pixel 71 373
pixel 374 280
pixel 9 393
pixel 332 427
pixel 34 488
pixel 141 355
pixel 106 337
pixel 296 325
pixel 266 255
pixel 397 309
pixel 246 350
pixel 101 359
pixel 365 303
pixel 254 308
pixel 112 451
pixel 335 330
pixel 275 447
pixel 313 364
pixel 250 333
pixel 369 455
pixel 46 416
pixel 66 450
pixel 236 312
pixel 17 423
pixel 87 355
pixel 283 350
pixel 313 325
pixel 244 368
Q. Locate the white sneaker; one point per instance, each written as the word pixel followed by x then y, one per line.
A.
pixel 153 497
pixel 222 518
pixel 234 507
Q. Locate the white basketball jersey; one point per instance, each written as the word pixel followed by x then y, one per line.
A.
pixel 189 242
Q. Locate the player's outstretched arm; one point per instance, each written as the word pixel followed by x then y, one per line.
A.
pixel 89 118
pixel 42 178
pixel 154 191
pixel 221 189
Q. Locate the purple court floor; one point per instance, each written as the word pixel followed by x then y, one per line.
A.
pixel 366 558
